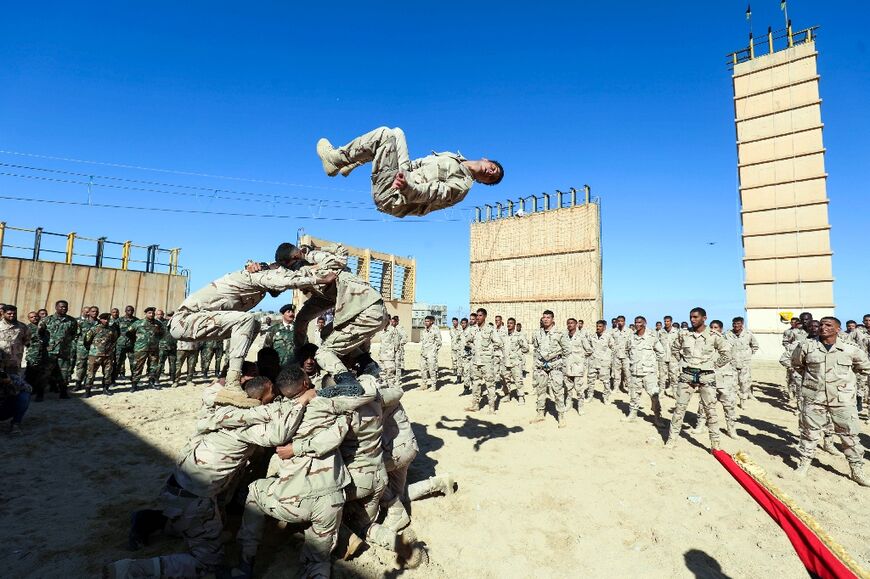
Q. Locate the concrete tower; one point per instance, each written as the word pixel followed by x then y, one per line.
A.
pixel 783 194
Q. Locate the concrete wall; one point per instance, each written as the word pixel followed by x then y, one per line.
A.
pixel 783 195
pixel 521 266
pixel 32 285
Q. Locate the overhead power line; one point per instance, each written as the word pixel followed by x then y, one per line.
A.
pixel 175 172
pixel 384 220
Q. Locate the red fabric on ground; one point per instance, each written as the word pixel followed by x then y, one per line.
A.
pixel 815 555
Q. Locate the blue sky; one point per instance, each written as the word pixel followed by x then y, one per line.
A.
pixel 633 98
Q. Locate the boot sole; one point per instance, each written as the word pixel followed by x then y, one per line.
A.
pixel 323 148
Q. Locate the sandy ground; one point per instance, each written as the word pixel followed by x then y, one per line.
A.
pixel 600 498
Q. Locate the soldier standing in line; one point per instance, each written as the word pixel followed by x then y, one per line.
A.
pixel 76 349
pixel 575 366
pixel 14 339
pixel 469 329
pixel 59 332
pixel 145 335
pixel 456 349
pixel 282 336
pixel 100 341
pixel 668 369
pixel 644 352
pixel 744 346
pixel 698 352
pixel 402 340
pixel 600 357
pixel 35 357
pixel 621 374
pixel 828 367
pixel 790 337
pixel 550 351
pixel 430 343
pixel 188 354
pixel 486 346
pixel 726 390
pixel 84 324
pixel 124 347
pixel 168 349
pixel 211 350
pixel 387 354
pixel 400 186
pixel 515 349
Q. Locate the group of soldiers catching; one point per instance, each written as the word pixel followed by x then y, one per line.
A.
pixel 827 371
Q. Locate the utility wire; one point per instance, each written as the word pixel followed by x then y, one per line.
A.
pixel 267 197
pixel 224 213
pixel 174 172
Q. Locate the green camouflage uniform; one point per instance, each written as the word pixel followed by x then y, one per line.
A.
pixel 211 349
pixel 81 350
pixel 34 358
pixel 168 352
pixel 59 333
pixel 146 335
pixel 281 337
pixel 124 346
pixel 100 342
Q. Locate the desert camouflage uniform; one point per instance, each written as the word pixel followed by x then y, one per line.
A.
pixel 644 354
pixel 550 349
pixel 124 345
pixel 434 182
pixel 14 339
pixel 282 338
pixel 515 349
pixel 726 393
pixel 221 309
pixel 146 335
pixel 600 353
pixel 59 333
pixel 575 368
pixel 456 351
pixel 698 354
pixel 430 343
pixel 84 324
pixel 668 369
pixel 225 439
pixel 359 310
pixel 400 351
pixel 168 353
pixel 387 355
pixel 308 488
pixel 790 338
pixel 100 342
pixel 487 346
pixel 620 370
pixel 861 338
pixel 743 348
pixel 828 393
pixel 467 354
pixel 400 448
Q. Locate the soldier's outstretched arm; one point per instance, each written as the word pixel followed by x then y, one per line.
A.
pixel 325 441
pixel 282 279
pixel 331 256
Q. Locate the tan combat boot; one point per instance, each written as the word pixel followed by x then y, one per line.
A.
pixel 472 408
pixel 803 467
pixel 348 543
pixel 560 419
pixel 732 431
pixel 382 537
pixel 829 447
pixel 715 445
pixel 538 418
pixel 410 550
pixel 858 474
pixel 632 416
pixel 332 160
pixel 232 393
pixel 671 441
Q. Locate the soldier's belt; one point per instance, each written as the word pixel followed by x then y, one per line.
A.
pixel 696 374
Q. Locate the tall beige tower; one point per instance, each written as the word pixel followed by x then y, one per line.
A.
pixel 783 195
